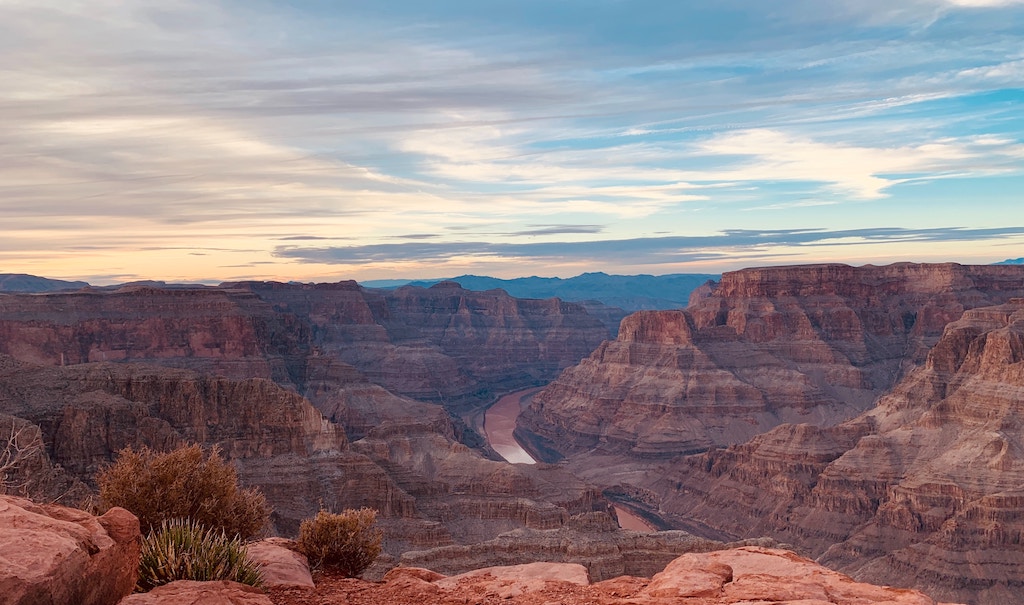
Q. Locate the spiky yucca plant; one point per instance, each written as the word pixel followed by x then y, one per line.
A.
pixel 182 549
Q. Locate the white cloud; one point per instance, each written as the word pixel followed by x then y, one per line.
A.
pixel 861 172
pixel 983 3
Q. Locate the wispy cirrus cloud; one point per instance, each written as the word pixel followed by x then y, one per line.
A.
pixel 649 250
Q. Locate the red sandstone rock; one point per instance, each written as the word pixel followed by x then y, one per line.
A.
pixel 725 577
pixel 280 564
pixel 753 574
pixel 52 554
pixel 412 572
pixel 512 581
pixel 187 592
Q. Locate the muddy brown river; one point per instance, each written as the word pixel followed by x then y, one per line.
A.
pixel 499 424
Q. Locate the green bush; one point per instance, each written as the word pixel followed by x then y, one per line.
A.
pixel 182 549
pixel 345 542
pixel 182 484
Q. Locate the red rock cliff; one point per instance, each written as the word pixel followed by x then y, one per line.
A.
pixel 812 344
pixel 925 490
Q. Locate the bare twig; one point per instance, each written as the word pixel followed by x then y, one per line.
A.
pixel 17 446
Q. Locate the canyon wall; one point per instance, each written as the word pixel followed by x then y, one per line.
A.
pixel 812 344
pixel 403 458
pixel 925 490
pixel 441 344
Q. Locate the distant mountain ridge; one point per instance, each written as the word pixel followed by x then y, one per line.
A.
pixel 1012 261
pixel 628 292
pixel 21 282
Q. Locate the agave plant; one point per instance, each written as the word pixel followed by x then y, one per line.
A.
pixel 182 549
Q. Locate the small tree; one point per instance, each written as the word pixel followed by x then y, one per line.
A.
pixel 346 542
pixel 18 445
pixel 182 484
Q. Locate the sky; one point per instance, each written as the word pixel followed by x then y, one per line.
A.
pixel 320 140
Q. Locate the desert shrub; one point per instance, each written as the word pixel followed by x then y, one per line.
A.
pixel 345 542
pixel 182 484
pixel 182 549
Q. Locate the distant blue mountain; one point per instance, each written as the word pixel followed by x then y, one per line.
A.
pixel 1012 261
pixel 20 282
pixel 629 292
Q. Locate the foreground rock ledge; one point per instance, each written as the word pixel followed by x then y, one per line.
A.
pixel 741 575
pixel 51 555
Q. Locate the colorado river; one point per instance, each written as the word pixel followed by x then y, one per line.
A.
pixel 499 424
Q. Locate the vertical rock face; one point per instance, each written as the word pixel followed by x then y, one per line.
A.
pixel 925 490
pixel 813 344
pixel 231 333
pixel 442 344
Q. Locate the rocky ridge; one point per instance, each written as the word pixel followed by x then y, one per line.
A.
pixel 442 344
pixel 812 344
pixel 730 576
pixel 924 490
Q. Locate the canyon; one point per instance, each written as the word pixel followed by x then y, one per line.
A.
pixel 262 371
pixel 928 484
pixel 765 346
pixel 867 416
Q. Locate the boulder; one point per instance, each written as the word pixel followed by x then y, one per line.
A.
pixel 281 566
pixel 53 554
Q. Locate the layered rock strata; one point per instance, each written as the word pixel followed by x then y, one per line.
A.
pixel 925 490
pixel 811 344
pixel 592 540
pixel 441 344
pixel 405 462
